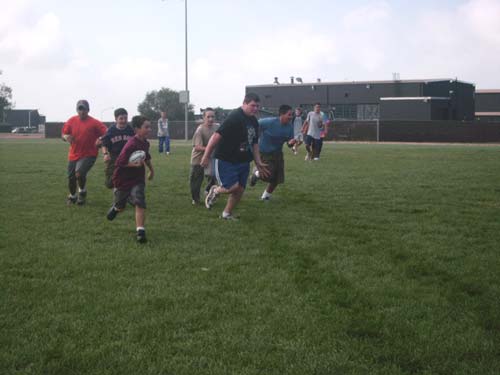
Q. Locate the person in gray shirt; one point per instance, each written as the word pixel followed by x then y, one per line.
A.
pixel 314 126
pixel 163 134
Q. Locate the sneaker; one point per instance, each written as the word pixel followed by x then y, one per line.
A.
pixel 307 158
pixel 211 197
pixel 265 199
pixel 141 236
pixel 253 179
pixel 70 200
pixel 168 153
pixel 316 159
pixel 82 196
pixel 195 203
pixel 111 213
pixel 229 218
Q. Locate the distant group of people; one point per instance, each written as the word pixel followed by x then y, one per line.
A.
pixel 221 155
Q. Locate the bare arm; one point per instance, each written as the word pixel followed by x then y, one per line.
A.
pixel 214 140
pixel 261 167
pixel 151 172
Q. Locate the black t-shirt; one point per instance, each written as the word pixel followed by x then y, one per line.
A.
pixel 239 133
pixel 116 138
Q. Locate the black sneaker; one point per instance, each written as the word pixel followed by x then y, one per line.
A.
pixel 141 236
pixel 82 196
pixel 253 179
pixel 111 213
pixel 70 200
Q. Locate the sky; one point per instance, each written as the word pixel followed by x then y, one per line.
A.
pixel 54 52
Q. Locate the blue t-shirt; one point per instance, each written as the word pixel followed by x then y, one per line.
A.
pixel 272 134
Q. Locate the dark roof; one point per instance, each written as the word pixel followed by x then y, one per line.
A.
pixel 363 82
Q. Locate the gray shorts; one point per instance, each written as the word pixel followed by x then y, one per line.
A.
pixel 135 195
pixel 81 166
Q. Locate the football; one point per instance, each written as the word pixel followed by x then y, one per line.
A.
pixel 137 157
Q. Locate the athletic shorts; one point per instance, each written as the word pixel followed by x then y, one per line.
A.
pixel 135 196
pixel 81 166
pixel 310 140
pixel 299 137
pixel 228 174
pixel 276 167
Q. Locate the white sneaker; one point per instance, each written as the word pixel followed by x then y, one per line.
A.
pixel 316 159
pixel 229 218
pixel 211 197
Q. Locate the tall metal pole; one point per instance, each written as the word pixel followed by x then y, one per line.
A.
pixel 186 105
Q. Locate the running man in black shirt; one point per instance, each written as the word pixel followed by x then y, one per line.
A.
pixel 236 145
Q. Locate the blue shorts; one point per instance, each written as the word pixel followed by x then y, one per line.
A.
pixel 228 174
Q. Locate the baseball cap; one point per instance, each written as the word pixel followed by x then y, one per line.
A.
pixel 82 103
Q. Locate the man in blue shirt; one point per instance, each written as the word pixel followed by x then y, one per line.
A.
pixel 273 133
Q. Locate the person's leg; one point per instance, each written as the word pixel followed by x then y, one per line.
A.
pixel 277 167
pixel 320 146
pixel 211 181
pixel 161 141
pixel 195 181
pixel 316 145
pixel 234 198
pixel 109 167
pixel 167 145
pixel 309 147
pixel 83 167
pixel 71 182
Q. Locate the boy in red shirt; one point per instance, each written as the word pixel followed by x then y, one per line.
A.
pixel 128 178
pixel 81 132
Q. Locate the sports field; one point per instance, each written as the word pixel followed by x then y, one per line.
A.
pixel 379 259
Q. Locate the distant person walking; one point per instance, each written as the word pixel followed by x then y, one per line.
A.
pixel 163 133
pixel 297 122
pixel 82 132
pixel 314 125
pixel 201 138
pixel 236 145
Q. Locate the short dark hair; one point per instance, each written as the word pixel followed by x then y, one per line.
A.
pixel 208 109
pixel 138 121
pixel 284 108
pixel 251 96
pixel 318 103
pixel 120 112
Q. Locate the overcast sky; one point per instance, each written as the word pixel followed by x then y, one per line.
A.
pixel 54 52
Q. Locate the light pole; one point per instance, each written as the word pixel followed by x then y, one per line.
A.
pixel 104 110
pixel 184 96
pixel 29 117
pixel 186 105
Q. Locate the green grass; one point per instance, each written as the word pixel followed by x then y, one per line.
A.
pixel 379 259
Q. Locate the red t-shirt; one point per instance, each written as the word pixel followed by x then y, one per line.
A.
pixel 85 134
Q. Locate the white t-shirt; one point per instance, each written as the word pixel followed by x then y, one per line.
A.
pixel 315 121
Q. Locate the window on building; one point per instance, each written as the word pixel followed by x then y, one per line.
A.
pixel 368 111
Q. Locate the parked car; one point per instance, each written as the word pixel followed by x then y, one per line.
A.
pixel 24 129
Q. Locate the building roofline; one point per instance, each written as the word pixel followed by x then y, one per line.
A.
pixel 487 113
pixel 488 91
pixel 416 98
pixel 360 82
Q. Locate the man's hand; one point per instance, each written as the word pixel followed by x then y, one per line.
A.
pixel 107 157
pixel 263 170
pixel 151 174
pixel 204 162
pixel 68 138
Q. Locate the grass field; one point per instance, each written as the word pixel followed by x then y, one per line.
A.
pixel 379 259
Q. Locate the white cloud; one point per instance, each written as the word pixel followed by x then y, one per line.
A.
pixel 35 42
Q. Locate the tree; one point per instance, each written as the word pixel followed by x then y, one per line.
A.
pixel 164 100
pixel 5 100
